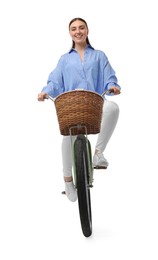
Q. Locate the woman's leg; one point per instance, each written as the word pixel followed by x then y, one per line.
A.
pixel 67 167
pixel 109 121
pixel 67 157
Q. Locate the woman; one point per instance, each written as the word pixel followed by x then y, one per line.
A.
pixel 89 69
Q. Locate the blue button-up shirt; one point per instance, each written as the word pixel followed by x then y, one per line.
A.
pixel 94 73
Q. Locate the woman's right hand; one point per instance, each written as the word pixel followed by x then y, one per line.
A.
pixel 41 96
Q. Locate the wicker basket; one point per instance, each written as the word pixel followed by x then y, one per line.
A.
pixel 79 108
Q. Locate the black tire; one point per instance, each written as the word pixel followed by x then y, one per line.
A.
pixel 83 190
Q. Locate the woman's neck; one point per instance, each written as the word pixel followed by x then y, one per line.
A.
pixel 80 47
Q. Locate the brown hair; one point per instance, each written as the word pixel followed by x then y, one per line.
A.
pixel 82 20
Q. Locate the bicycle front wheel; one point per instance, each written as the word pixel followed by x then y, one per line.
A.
pixel 83 190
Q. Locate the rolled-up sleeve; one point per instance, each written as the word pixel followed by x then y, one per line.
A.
pixel 110 78
pixel 55 84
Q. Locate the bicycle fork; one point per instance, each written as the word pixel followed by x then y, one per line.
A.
pixel 89 156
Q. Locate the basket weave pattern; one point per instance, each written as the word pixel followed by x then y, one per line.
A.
pixel 79 107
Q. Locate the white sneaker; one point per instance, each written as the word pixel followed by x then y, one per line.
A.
pixel 99 162
pixel 70 191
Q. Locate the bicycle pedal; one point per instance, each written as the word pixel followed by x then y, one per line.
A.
pixel 99 167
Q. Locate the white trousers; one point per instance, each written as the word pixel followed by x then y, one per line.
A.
pixel 109 121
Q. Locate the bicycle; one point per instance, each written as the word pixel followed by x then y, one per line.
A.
pixel 79 113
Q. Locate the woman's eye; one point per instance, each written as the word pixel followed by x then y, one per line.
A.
pixel 80 28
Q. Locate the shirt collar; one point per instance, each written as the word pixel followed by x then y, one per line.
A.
pixel 87 47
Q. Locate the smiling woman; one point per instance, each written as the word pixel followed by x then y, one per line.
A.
pixel 83 67
pixel 78 29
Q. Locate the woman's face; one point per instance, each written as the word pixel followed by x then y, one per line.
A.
pixel 78 32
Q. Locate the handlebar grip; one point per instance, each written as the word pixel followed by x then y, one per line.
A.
pixel 106 92
pixel 49 97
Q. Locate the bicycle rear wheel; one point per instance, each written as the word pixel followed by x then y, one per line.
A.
pixel 83 190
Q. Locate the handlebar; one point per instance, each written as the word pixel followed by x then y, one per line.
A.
pixel 106 92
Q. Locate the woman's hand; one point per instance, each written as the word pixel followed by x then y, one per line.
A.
pixel 115 90
pixel 41 96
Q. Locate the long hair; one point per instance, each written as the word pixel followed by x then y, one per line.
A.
pixel 82 20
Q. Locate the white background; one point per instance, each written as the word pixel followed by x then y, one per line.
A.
pixel 36 221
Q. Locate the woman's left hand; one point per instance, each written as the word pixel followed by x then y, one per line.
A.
pixel 115 90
